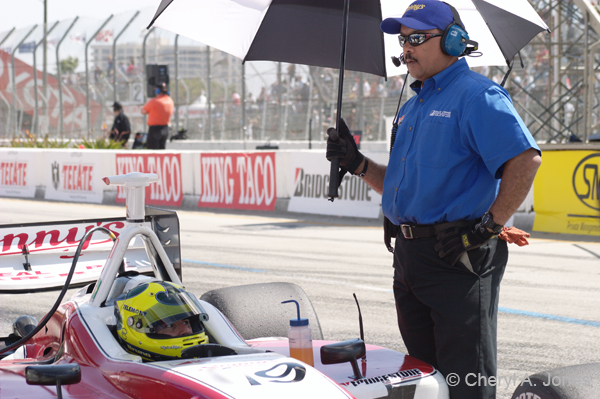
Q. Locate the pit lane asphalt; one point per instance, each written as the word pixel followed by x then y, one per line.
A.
pixel 550 295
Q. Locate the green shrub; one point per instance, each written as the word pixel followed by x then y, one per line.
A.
pixel 99 144
pixel 31 141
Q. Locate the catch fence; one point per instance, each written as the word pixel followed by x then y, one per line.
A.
pixel 90 64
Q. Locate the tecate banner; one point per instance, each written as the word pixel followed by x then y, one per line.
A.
pixel 16 174
pixel 168 190
pixel 311 186
pixel 238 181
pixel 75 176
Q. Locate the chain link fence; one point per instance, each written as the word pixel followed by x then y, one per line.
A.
pixel 90 64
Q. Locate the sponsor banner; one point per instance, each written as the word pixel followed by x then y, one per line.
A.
pixel 238 181
pixel 59 237
pixel 74 176
pixel 168 190
pixel 17 174
pixel 74 102
pixel 39 256
pixel 311 185
pixel 566 193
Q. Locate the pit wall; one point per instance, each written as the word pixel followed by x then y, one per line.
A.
pixel 283 180
pixel 294 180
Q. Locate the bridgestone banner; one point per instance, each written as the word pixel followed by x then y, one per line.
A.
pixel 16 174
pixel 311 186
pixel 74 177
pixel 238 181
pixel 168 190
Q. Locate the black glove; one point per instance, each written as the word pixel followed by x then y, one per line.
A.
pixel 341 144
pixel 454 242
pixel 390 230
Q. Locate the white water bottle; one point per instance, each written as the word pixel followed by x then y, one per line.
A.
pixel 300 338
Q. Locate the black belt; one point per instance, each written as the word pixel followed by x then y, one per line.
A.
pixel 412 231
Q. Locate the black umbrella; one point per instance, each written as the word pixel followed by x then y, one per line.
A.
pixel 311 32
pixel 295 31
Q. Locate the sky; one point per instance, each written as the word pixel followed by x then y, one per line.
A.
pixel 23 13
pixel 26 13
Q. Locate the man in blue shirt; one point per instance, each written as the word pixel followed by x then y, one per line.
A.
pixel 462 163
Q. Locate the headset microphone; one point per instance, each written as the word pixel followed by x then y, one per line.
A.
pixel 398 60
pixel 469 50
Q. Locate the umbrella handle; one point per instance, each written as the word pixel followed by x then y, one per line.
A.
pixel 334 178
pixel 334 170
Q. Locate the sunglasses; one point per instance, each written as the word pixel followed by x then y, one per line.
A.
pixel 416 39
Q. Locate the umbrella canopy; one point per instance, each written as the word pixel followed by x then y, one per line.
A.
pixel 501 15
pixel 309 31
pixel 295 31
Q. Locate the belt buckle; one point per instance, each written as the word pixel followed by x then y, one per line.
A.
pixel 407 231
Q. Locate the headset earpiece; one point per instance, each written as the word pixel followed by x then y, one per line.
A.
pixel 455 38
pixel 157 91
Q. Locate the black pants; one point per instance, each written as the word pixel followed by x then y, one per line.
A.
pixel 448 314
pixel 157 137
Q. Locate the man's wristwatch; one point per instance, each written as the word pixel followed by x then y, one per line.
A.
pixel 487 220
pixel 364 171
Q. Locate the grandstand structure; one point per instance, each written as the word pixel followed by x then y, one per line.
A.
pixel 554 83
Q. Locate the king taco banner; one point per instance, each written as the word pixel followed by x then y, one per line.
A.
pixel 311 186
pixel 17 174
pixel 238 181
pixel 74 177
pixel 167 191
pixel 566 193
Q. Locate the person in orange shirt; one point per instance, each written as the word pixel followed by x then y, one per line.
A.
pixel 159 110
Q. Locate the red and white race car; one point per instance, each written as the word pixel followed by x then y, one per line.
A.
pixel 74 351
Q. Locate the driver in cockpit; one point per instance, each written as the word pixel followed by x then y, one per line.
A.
pixel 157 320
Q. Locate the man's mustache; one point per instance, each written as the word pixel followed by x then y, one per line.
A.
pixel 409 57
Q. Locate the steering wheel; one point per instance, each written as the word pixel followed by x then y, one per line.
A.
pixel 207 350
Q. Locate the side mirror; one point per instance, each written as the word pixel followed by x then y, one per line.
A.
pixel 53 374
pixel 345 351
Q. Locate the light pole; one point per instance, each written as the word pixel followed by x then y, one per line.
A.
pixel 87 75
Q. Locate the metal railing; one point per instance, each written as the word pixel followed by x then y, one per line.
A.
pixel 556 91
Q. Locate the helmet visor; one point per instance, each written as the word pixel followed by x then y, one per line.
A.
pixel 171 305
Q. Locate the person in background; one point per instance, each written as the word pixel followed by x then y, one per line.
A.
pixel 121 129
pixel 159 110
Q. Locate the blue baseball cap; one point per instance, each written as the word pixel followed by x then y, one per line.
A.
pixel 420 15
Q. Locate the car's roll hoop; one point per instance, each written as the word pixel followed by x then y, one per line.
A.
pixel 135 189
pixel 135 185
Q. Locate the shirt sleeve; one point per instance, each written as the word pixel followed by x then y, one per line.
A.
pixel 495 130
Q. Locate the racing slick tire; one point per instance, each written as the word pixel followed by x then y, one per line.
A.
pixel 573 382
pixel 256 310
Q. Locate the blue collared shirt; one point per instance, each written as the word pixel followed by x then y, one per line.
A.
pixel 454 137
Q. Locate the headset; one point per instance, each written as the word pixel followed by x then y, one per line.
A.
pixel 157 91
pixel 455 40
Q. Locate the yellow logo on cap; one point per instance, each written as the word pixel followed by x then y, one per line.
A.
pixel 415 7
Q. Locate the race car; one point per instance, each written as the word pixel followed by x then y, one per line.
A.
pixel 78 350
